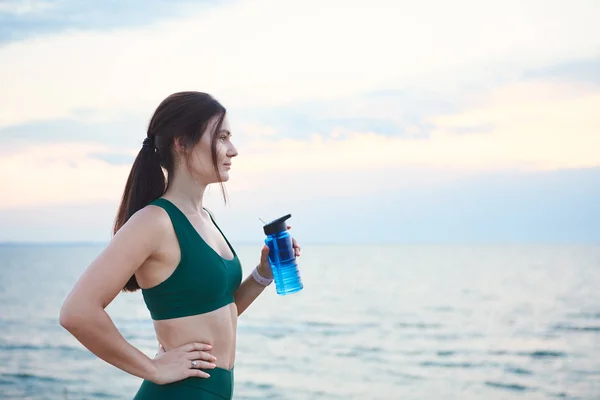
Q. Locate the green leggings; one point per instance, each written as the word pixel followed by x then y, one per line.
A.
pixel 218 387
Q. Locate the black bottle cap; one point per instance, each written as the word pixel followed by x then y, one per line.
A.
pixel 277 225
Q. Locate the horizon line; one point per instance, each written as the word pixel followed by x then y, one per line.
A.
pixel 593 242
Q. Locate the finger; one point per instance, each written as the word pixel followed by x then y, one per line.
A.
pixel 296 246
pixel 201 355
pixel 264 254
pixel 197 373
pixel 199 364
pixel 195 347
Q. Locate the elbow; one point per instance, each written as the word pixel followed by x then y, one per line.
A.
pixel 66 318
pixel 71 317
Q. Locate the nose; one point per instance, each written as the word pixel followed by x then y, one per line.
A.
pixel 232 151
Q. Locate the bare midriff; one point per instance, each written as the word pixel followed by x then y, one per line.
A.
pixel 216 328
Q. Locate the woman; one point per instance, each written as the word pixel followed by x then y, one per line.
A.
pixel 169 246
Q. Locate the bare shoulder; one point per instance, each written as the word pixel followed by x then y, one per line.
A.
pixel 137 240
pixel 141 235
pixel 149 221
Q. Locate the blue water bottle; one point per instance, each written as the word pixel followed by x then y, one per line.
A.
pixel 282 257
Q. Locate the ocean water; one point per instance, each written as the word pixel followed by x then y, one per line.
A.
pixel 373 322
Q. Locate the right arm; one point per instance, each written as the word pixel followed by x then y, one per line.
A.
pixel 83 311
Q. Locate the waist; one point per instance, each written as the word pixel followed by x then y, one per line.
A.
pixel 217 328
pixel 219 377
pixel 220 383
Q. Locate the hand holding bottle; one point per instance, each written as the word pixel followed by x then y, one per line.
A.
pixel 280 254
pixel 264 268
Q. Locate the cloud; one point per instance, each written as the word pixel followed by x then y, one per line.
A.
pixel 301 121
pixel 542 124
pixel 533 125
pixel 529 126
pixel 390 113
pixel 115 158
pixel 320 52
pixel 547 108
pixel 21 7
pixel 125 132
pixel 50 222
pixel 23 19
pixel 385 108
pixel 587 71
pixel 59 173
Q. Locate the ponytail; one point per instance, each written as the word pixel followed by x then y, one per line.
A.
pixel 146 183
pixel 182 116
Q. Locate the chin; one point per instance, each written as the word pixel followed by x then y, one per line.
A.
pixel 210 180
pixel 224 176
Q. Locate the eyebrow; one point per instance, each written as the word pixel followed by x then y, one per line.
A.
pixel 225 131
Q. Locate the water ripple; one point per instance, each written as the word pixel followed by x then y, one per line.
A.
pixel 33 377
pixel 464 364
pixel 518 370
pixel 508 386
pixel 437 341
pixel 418 325
pixel 104 395
pixel 360 351
pixel 543 354
pixel 537 354
pixel 569 327
pixel 584 315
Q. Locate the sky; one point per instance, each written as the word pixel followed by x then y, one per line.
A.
pixel 370 122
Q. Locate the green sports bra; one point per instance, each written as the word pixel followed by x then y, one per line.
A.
pixel 202 281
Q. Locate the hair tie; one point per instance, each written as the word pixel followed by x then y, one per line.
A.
pixel 148 142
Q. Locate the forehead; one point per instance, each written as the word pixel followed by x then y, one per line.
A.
pixel 224 124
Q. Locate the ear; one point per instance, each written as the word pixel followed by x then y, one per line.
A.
pixel 179 145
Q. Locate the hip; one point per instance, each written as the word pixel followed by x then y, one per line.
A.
pixel 219 386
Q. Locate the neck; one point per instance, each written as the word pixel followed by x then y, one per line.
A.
pixel 186 192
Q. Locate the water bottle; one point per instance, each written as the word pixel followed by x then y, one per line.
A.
pixel 282 257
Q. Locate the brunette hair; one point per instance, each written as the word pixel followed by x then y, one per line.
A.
pixel 181 117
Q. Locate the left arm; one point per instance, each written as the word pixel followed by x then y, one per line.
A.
pixel 250 289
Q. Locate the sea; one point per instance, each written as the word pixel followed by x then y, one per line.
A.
pixel 372 322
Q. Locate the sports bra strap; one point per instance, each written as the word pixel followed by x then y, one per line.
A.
pixel 178 219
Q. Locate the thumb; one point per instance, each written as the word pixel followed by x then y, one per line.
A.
pixel 160 351
pixel 264 254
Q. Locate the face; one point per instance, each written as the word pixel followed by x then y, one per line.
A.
pixel 201 157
